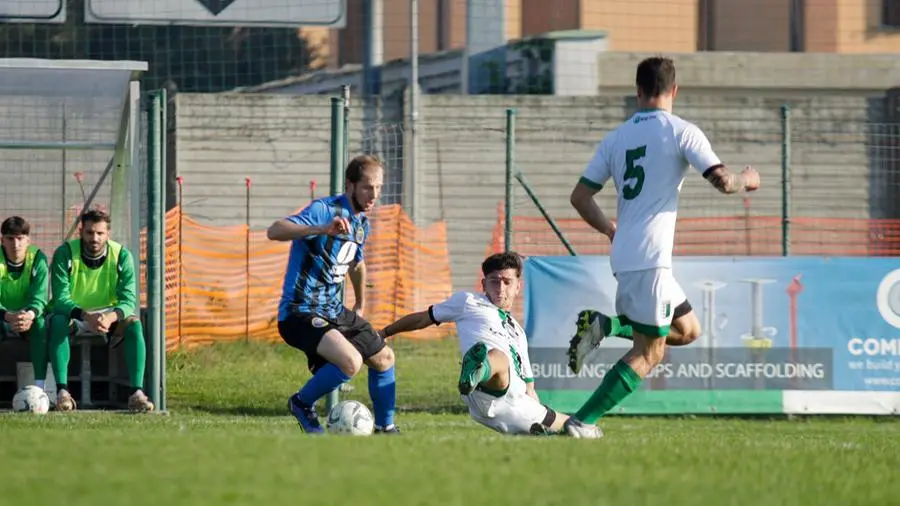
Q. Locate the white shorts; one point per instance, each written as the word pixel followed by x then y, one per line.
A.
pixel 513 413
pixel 647 299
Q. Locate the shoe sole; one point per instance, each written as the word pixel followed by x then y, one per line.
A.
pixel 473 364
pixel 582 327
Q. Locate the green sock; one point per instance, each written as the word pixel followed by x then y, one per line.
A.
pixel 135 353
pixel 613 326
pixel 59 349
pixel 37 344
pixel 486 374
pixel 617 384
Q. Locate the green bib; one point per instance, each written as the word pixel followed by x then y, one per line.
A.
pixel 94 289
pixel 14 286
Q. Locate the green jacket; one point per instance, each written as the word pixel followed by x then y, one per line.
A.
pixel 78 288
pixel 25 290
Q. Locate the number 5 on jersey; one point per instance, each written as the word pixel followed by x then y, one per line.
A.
pixel 633 171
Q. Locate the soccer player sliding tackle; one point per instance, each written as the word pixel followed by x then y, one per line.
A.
pixel 495 380
pixel 647 157
pixel 327 239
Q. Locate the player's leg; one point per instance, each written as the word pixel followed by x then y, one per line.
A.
pixel 383 389
pixel 647 296
pixel 592 327
pixel 37 347
pixel 130 333
pixel 379 358
pixel 332 360
pixel 486 367
pixel 59 350
pixel 513 411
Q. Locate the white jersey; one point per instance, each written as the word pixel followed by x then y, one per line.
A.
pixel 478 320
pixel 648 157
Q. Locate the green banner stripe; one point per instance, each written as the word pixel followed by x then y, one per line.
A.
pixel 664 402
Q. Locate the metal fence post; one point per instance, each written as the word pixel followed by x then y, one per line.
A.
pixel 338 150
pixel 510 163
pixel 785 180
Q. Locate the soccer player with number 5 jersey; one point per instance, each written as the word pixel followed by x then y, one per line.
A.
pixel 647 157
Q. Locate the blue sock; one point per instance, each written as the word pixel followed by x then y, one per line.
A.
pixel 326 379
pixel 383 391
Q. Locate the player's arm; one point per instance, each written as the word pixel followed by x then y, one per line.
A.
pixel 729 182
pixel 61 284
pixel 447 311
pixel 358 280
pixel 595 175
pixel 358 272
pixel 698 151
pixel 126 287
pixel 527 371
pixel 39 289
pixel 409 323
pixel 315 219
pixel 529 389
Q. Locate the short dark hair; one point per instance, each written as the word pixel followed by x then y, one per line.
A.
pixel 655 76
pixel 501 262
pixel 15 225
pixel 95 216
pixel 360 164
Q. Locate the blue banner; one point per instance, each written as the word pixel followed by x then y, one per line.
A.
pixel 850 306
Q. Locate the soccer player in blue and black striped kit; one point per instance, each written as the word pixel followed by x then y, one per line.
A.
pixel 327 239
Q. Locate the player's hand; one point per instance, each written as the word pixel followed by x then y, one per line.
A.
pixel 751 179
pixel 96 323
pixel 24 320
pixel 338 226
pixel 611 232
pixel 358 309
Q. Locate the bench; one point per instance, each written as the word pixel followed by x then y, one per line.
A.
pixel 97 374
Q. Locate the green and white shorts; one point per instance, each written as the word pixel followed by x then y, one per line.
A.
pixel 647 300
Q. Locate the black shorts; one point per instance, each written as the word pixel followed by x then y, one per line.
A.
pixel 304 331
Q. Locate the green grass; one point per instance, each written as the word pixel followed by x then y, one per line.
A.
pixel 229 440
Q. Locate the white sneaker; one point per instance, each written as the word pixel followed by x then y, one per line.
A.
pixel 64 401
pixel 580 430
pixel 588 336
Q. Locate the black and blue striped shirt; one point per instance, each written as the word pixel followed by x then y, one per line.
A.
pixel 317 264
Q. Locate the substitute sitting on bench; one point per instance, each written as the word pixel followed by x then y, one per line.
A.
pixel 95 294
pixel 23 292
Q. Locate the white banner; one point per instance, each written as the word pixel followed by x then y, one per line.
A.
pixel 271 13
pixel 33 11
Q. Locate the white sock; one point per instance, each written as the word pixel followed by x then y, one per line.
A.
pixel 39 384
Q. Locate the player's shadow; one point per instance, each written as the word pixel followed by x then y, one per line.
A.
pixel 241 410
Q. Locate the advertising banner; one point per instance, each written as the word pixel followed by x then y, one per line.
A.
pixel 780 335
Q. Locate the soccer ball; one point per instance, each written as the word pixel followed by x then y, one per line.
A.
pixel 31 399
pixel 351 417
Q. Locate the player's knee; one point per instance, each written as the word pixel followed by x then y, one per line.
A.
pixel 383 360
pixel 132 322
pixel 59 326
pixel 350 364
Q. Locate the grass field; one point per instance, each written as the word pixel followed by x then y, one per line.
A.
pixel 229 440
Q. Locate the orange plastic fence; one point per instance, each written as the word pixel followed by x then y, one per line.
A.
pixel 720 236
pixel 217 291
pixel 729 236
